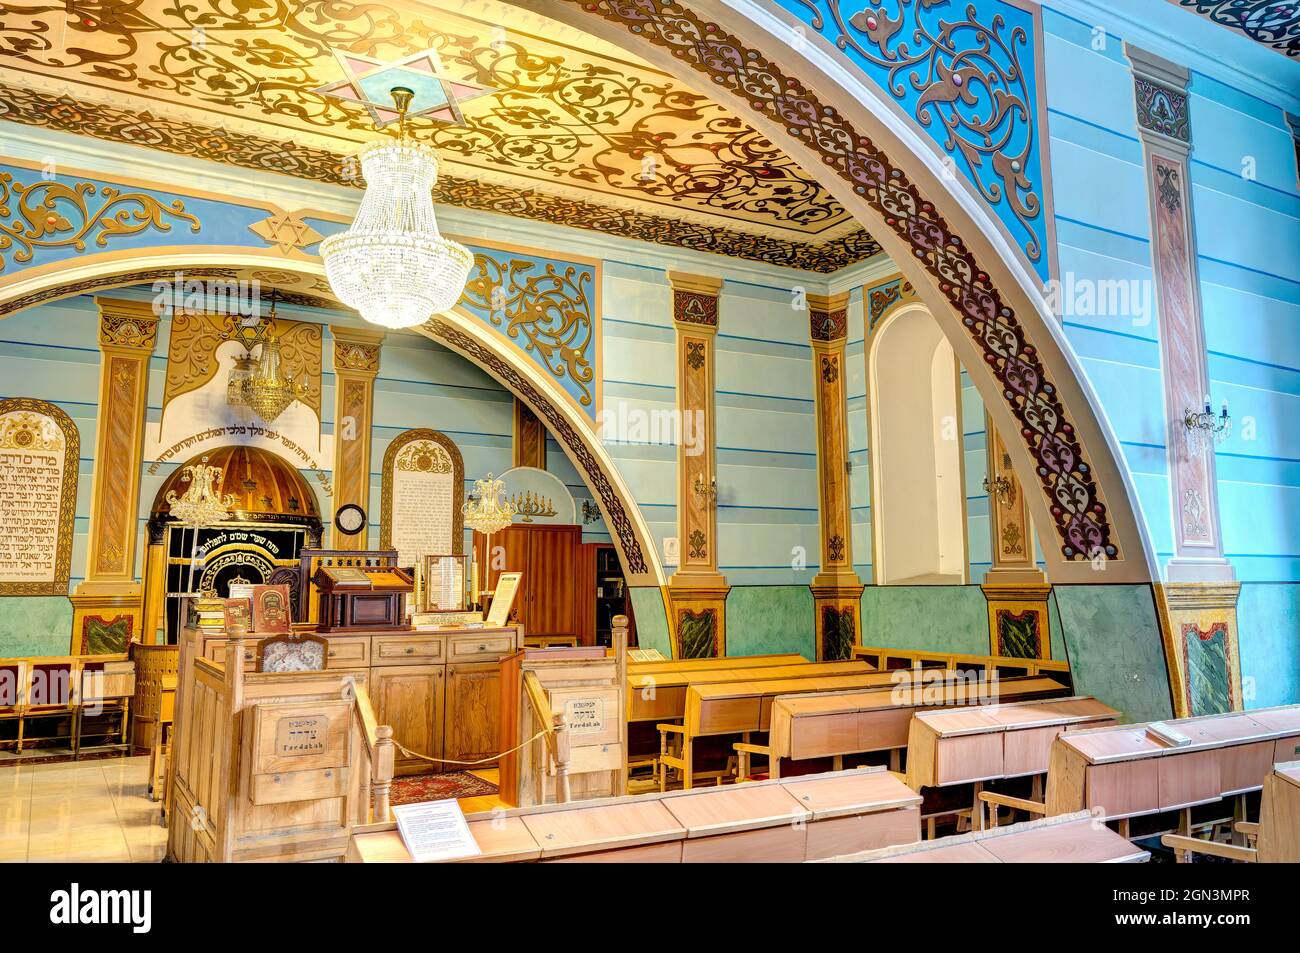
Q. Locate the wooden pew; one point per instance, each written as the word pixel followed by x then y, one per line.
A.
pixel 1067 839
pixel 831 715
pixel 834 724
pixel 1276 836
pixel 993 743
pixel 722 661
pixel 807 818
pixel 661 696
pixel 886 659
pixel 1125 772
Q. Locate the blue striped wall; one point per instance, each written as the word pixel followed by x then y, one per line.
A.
pixel 1246 211
pixel 859 429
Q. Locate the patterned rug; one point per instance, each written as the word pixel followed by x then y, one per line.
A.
pixel 438 787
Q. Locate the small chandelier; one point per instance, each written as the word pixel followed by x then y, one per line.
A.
pixel 201 504
pixel 393 265
pixel 486 510
pixel 262 385
pixel 1204 429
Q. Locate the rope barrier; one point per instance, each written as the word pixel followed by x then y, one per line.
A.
pixel 424 757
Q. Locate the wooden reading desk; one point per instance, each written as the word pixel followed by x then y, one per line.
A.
pixel 1068 839
pixel 705 664
pixel 1276 838
pixel 1125 771
pixel 805 818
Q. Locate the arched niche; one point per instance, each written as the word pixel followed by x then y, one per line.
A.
pixel 917 476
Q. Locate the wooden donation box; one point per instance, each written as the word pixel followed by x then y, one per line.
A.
pixel 362 597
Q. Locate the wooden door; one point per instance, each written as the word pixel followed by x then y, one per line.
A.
pixel 473 718
pixel 410 699
pixel 552 563
pixel 584 593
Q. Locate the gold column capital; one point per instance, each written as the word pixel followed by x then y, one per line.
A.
pixel 695 301
pixel 356 351
pixel 126 325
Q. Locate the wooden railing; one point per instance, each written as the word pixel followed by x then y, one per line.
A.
pixel 886 659
pixel 379 749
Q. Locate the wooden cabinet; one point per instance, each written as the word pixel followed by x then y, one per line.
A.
pixel 411 699
pixel 473 711
pixel 548 558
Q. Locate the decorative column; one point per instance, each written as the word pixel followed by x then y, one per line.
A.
pixel 1200 592
pixel 836 589
pixel 697 592
pixel 528 446
pixel 356 365
pixel 107 604
pixel 1015 588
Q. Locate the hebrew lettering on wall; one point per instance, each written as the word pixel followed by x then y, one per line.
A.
pixel 39 453
pixel 423 492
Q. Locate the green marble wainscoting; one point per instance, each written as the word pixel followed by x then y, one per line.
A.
pixel 651 619
pixel 926 618
pixel 35 625
pixel 769 620
pixel 1112 635
pixel 1268 638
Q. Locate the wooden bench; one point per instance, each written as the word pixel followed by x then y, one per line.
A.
pixel 1124 772
pixel 886 659
pixel 833 715
pixel 660 696
pixel 993 743
pixel 1067 839
pixel 834 724
pixel 1277 835
pixel 725 661
pixel 807 818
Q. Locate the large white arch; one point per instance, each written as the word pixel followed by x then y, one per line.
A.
pixel 457 330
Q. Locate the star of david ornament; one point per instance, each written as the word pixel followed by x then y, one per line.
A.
pixel 436 95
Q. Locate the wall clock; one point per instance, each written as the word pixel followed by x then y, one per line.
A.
pixel 350 519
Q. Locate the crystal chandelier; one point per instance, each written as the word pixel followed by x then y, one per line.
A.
pixel 393 265
pixel 263 386
pixel 201 504
pixel 485 510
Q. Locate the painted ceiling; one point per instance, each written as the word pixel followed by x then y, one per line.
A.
pixel 578 131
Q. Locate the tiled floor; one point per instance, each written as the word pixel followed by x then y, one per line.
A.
pixel 79 811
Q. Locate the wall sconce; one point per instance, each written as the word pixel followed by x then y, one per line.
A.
pixel 590 512
pixel 1204 429
pixel 705 491
pixel 1002 489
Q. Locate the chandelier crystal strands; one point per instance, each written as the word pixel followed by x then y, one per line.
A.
pixel 487 511
pixel 393 265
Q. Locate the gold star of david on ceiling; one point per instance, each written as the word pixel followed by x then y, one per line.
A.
pixel 286 232
pixel 370 82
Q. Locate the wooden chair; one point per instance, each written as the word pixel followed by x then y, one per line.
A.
pixel 106 689
pixel 1274 840
pixel 13 683
pixel 51 695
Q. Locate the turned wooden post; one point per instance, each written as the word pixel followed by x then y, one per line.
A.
pixel 382 772
pixel 561 731
pixel 618 633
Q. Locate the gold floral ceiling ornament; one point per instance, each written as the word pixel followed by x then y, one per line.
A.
pixel 393 265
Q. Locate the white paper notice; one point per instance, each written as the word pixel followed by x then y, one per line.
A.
pixel 435 830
